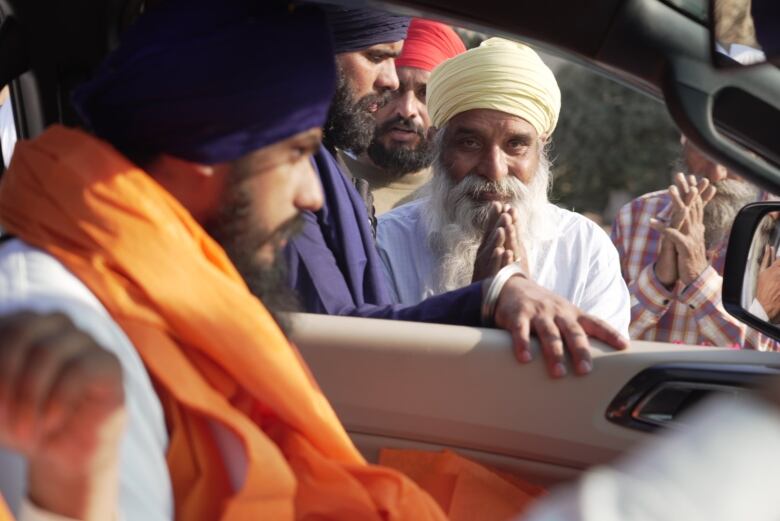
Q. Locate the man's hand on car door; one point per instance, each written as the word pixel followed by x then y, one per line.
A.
pixel 525 307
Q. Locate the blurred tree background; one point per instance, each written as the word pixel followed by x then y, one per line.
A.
pixel 611 144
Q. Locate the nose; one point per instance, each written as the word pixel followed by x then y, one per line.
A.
pixel 386 79
pixel 408 106
pixel 715 172
pixel 308 193
pixel 492 164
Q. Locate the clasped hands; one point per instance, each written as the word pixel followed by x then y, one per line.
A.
pixel 683 253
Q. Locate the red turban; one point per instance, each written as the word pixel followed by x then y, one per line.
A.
pixel 428 44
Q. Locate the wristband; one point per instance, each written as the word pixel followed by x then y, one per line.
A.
pixel 494 290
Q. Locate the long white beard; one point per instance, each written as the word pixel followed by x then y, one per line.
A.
pixel 456 219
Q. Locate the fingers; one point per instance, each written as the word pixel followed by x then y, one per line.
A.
pixel 677 197
pixel 707 191
pixel 766 258
pixel 577 344
pixel 524 308
pixel 599 329
pixel 507 258
pixel 692 181
pixel 35 378
pixel 679 207
pixel 508 223
pixel 552 344
pixel 88 378
pixel 682 183
pixel 521 339
pixel 19 333
pixel 675 236
pixel 695 207
pixel 493 214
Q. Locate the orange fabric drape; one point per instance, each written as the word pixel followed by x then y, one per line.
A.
pixel 213 350
pixel 5 512
pixel 462 488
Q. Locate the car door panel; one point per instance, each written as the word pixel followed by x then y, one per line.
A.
pixel 435 386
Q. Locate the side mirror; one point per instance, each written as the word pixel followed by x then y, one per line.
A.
pixel 751 277
pixel 745 32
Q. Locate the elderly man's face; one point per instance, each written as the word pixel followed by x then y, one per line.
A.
pixel 701 165
pixel 492 145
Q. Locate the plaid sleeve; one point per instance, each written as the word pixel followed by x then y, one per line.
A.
pixel 650 300
pixel 715 325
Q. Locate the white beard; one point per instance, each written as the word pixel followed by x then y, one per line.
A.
pixel 720 212
pixel 456 219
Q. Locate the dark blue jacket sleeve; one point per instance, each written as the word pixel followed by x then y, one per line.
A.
pixel 315 274
pixel 334 266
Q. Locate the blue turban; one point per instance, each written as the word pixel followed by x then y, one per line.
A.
pixel 210 81
pixel 356 29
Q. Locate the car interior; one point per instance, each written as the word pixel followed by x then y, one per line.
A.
pixel 414 385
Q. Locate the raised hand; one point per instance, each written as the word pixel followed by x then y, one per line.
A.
pixel 62 407
pixel 683 252
pixel 768 284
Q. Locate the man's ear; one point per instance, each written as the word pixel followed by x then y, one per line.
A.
pixel 198 187
pixel 432 131
pixel 172 167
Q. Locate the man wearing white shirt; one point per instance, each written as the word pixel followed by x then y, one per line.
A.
pixel 145 487
pixel 487 206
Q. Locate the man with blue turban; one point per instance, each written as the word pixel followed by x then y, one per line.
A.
pixel 155 385
pixel 334 264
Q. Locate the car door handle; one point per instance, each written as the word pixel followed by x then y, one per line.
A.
pixel 658 396
pixel 668 401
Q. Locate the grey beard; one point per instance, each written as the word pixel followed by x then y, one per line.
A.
pixel 720 212
pixel 456 221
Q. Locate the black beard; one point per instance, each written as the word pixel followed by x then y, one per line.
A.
pixel 400 160
pixel 270 285
pixel 350 126
pixel 233 230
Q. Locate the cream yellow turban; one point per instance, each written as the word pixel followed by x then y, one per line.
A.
pixel 500 75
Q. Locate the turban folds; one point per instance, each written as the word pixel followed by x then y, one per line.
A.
pixel 428 44
pixel 500 75
pixel 212 81
pixel 356 29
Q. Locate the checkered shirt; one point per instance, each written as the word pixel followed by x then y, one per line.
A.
pixel 685 315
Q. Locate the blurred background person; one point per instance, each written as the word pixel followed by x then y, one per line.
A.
pixel 672 245
pixel 397 162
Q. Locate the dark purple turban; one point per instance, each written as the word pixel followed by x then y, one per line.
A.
pixel 210 81
pixel 356 29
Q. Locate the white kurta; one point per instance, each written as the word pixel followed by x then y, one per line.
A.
pixel 31 280
pixel 577 261
pixel 721 467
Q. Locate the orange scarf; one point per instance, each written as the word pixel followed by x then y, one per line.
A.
pixel 212 349
pixel 5 513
